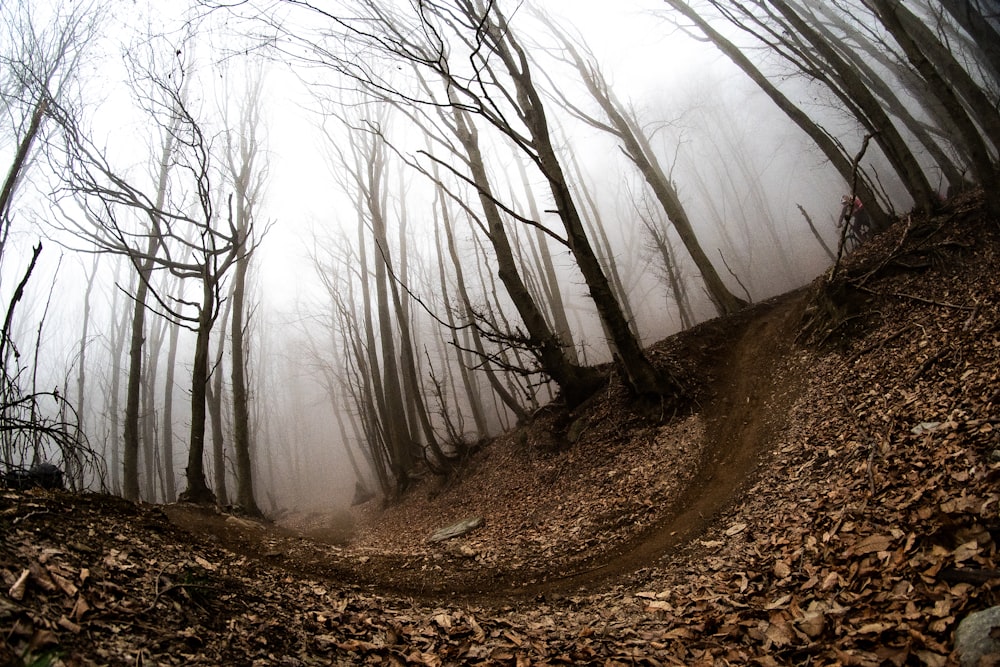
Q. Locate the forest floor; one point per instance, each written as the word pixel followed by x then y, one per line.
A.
pixel 829 496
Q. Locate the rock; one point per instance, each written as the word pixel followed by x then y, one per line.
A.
pixel 39 476
pixel 975 637
pixel 456 529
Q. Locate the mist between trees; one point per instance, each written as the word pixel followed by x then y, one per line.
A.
pixel 272 254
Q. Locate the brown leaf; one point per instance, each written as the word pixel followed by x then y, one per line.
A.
pixel 869 545
pixel 812 624
pixel 40 575
pixel 67 624
pixel 79 608
pixel 779 632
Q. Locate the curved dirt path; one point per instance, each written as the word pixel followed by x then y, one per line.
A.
pixel 755 384
pixel 752 393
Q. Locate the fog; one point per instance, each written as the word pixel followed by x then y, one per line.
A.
pixel 740 167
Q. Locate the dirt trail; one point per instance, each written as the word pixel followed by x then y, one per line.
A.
pixel 754 383
pixel 754 387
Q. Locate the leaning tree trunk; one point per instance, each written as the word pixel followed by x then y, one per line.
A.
pixel 869 111
pixel 920 47
pixel 837 156
pixel 638 373
pixel 575 382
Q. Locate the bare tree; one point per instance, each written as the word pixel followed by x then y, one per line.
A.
pixel 622 123
pixel 246 170
pixel 41 57
pixel 471 52
pixel 182 235
pixel 964 100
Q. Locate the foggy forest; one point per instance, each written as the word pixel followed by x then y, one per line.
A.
pixel 500 332
pixel 281 254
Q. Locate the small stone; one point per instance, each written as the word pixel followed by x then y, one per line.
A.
pixel 974 637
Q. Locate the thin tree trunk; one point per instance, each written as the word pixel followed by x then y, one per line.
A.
pixel 170 482
pixel 547 269
pixel 197 490
pixel 213 393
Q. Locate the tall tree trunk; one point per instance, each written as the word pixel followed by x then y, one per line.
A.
pixel 197 490
pixel 860 51
pixel 472 393
pixel 401 440
pixel 117 346
pixel 950 83
pixel 170 482
pixel 575 382
pixel 637 371
pixel 975 21
pixel 214 391
pixel 241 410
pixel 148 417
pixel 547 270
pixel 130 454
pixel 73 472
pixel 144 267
pixel 407 346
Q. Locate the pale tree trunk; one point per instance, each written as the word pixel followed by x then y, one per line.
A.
pixel 116 346
pixel 148 416
pixel 73 472
pixel 214 391
pixel 411 383
pixel 170 482
pixel 547 271
pixel 594 222
pixel 471 388
pixel 672 275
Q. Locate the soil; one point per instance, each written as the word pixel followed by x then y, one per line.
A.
pixel 828 496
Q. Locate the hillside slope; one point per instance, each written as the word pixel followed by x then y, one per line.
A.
pixel 829 498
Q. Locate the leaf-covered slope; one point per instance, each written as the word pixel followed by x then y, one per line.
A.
pixel 859 526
